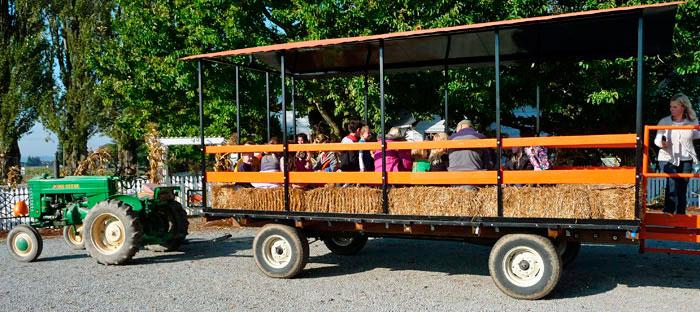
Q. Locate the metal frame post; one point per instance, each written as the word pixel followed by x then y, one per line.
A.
pixel 285 144
pixel 238 110
pixel 294 112
pixel 267 103
pixel 447 81
pixel 499 142
pixel 201 135
pixel 638 119
pixel 366 98
pixel 537 103
pixel 385 194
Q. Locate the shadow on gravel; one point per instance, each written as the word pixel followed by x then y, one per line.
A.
pixel 200 249
pixel 601 268
pixel 63 257
pixel 598 269
pixel 406 255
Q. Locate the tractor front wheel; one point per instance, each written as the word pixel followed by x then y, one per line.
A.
pixel 112 232
pixel 25 243
pixel 169 223
pixel 73 236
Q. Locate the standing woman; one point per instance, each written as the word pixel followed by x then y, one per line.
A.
pixel 677 153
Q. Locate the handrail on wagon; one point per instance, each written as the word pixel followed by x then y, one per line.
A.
pixel 572 141
pixel 593 175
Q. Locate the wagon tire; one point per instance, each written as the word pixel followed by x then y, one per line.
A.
pixel 525 266
pixel 280 251
pixel 345 245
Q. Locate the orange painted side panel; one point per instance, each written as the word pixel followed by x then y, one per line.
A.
pixel 585 176
pixel 662 219
pixel 335 147
pixel 576 141
pixel 222 149
pixel 255 177
pixel 336 177
pixel 448 178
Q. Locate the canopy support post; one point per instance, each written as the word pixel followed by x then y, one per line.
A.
pixel 638 119
pixel 201 135
pixel 294 112
pixel 499 142
pixel 238 110
pixel 366 85
pixel 267 103
pixel 385 195
pixel 447 82
pixel 285 143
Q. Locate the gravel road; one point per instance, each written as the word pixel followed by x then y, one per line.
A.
pixel 388 275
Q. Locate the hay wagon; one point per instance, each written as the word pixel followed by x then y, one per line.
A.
pixel 535 231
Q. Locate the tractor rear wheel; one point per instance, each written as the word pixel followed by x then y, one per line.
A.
pixel 168 222
pixel 73 236
pixel 112 232
pixel 25 243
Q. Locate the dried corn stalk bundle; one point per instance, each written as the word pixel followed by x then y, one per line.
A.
pixel 156 154
pixel 95 163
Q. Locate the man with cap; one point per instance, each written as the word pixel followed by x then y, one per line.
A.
pixel 467 159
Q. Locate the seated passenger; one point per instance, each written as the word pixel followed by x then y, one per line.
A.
pixel 396 160
pixel 349 160
pixel 270 162
pixel 302 160
pixel 439 158
pixel 366 160
pixel 467 159
pixel 325 161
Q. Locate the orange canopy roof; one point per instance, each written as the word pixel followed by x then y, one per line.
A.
pixel 588 34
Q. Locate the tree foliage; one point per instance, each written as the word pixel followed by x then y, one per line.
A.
pixel 24 75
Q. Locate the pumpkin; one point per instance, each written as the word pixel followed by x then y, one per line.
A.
pixel 20 209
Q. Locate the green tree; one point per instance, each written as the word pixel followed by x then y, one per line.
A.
pixel 25 80
pixel 76 27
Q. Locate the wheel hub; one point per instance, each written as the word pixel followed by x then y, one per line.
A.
pixel 107 233
pixel 22 244
pixel 523 266
pixel 278 252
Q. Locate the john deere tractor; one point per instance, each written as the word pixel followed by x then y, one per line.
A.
pixel 111 227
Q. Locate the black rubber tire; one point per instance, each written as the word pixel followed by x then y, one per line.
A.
pixel 297 244
pixel 36 243
pixel 345 245
pixel 568 252
pixel 72 244
pixel 551 265
pixel 176 218
pixel 133 233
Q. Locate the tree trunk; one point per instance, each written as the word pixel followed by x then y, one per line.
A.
pixel 335 130
pixel 127 158
pixel 9 157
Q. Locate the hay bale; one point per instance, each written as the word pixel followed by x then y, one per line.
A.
pixel 561 201
pixel 229 196
pixel 439 201
pixel 361 200
pixel 570 202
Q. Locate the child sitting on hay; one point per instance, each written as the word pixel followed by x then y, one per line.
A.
pixel 270 162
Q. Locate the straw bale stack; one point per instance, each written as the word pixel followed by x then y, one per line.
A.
pixel 562 201
pixel 229 196
pixel 344 200
pixel 442 201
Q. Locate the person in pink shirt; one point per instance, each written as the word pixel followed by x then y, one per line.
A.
pixel 396 160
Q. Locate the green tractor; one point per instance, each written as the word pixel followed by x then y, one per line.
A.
pixel 111 227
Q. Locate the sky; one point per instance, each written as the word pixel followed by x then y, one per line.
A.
pixel 43 142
